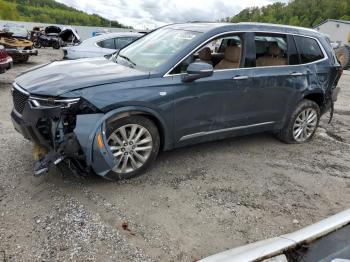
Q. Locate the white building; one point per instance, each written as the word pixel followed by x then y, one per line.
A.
pixel 338 30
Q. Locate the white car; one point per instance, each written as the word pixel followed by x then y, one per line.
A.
pixel 102 45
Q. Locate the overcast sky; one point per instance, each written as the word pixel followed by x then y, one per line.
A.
pixel 152 13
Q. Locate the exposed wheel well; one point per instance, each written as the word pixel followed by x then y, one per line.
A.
pixel 318 98
pixel 144 114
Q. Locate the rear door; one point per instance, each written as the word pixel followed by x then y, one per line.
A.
pixel 277 77
pixel 315 63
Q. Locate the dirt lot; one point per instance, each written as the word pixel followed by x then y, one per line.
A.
pixel 194 202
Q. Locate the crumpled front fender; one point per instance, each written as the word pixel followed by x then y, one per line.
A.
pixel 90 132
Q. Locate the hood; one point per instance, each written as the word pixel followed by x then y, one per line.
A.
pixel 52 30
pixel 69 34
pixel 61 77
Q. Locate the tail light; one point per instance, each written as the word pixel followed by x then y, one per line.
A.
pixel 3 54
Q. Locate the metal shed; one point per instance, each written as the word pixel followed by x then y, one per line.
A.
pixel 338 30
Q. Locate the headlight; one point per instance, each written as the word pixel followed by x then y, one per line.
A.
pixel 38 102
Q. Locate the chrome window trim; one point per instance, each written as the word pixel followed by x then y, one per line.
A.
pixel 325 56
pixel 199 134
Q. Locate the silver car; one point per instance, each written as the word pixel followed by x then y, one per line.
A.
pixel 101 45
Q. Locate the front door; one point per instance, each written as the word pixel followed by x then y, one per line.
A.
pixel 211 105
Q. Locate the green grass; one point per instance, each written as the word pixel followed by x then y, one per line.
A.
pixel 49 11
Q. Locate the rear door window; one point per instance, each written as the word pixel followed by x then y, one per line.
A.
pixel 271 50
pixel 107 43
pixel 309 49
pixel 120 42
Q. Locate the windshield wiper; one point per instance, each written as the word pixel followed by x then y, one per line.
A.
pixel 128 59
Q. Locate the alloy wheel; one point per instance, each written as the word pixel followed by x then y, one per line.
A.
pixel 131 145
pixel 305 124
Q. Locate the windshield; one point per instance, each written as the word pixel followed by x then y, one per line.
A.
pixel 154 49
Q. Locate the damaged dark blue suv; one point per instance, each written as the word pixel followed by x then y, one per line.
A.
pixel 178 85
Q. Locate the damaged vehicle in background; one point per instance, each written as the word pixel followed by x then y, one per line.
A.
pixel 47 38
pixel 5 60
pixel 102 45
pixel 19 49
pixel 69 36
pixel 169 89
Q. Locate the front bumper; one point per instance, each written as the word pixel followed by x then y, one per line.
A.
pixel 26 125
pixel 45 126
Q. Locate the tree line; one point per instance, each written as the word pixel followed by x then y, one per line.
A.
pixel 306 13
pixel 51 12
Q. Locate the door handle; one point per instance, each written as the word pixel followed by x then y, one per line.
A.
pixel 240 77
pixel 296 74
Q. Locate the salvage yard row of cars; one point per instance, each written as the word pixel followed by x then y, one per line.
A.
pixel 19 44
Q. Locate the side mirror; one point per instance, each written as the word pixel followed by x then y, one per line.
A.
pixel 197 70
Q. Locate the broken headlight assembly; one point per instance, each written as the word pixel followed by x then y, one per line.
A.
pixel 71 105
pixel 38 102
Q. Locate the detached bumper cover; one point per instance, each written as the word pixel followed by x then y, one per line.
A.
pixel 90 132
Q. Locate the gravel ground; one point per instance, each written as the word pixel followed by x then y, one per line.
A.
pixel 193 202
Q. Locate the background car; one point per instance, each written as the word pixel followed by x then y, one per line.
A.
pixel 17 31
pixel 5 60
pixel 101 45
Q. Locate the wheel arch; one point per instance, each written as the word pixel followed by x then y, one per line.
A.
pixel 318 97
pixel 149 113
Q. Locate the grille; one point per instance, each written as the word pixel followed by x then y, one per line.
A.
pixel 19 100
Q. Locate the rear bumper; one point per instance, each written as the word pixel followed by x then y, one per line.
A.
pixel 335 94
pixel 22 51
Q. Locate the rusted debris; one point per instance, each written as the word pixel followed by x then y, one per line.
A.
pixel 125 226
pixel 18 49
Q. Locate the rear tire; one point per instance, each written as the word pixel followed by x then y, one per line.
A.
pixel 343 55
pixel 37 44
pixel 135 142
pixel 302 124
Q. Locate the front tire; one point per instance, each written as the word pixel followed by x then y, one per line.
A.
pixel 56 45
pixel 302 124
pixel 134 142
